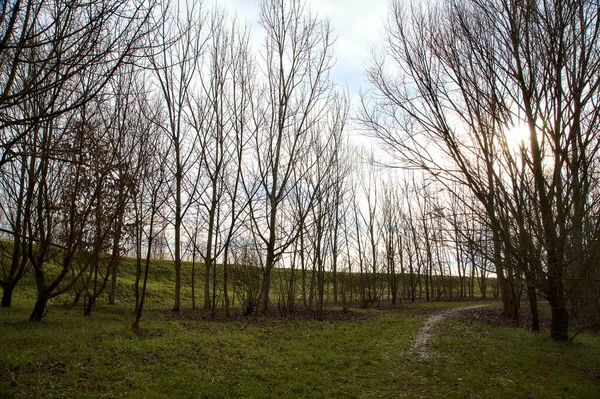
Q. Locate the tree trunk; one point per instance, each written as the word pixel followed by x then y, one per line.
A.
pixel 7 295
pixel 194 277
pixel 208 258
pixel 77 297
pixel 177 304
pixel 514 307
pixel 535 323
pixel 532 295
pixel 142 296
pixel 178 222
pixel 311 292
pixel 225 280
pixel 559 328
pixel 501 279
pixel 265 291
pixel 270 261
pixel 115 259
pixel 88 304
pixel 334 278
pixel 39 308
pixel 214 290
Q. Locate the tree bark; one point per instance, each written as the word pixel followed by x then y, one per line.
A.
pixel 40 307
pixel 226 280
pixel 7 292
pixel 559 328
pixel 535 323
pixel 115 259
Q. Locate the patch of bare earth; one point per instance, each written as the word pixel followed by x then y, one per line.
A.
pixel 419 347
pixel 236 315
pixel 493 316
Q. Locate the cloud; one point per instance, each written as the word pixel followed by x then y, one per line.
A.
pixel 357 24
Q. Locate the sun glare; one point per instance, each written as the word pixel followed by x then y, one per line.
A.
pixel 517 136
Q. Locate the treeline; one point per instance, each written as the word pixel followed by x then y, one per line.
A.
pixel 146 127
pixel 453 79
pixel 400 243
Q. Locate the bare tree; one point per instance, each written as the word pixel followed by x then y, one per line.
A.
pixel 220 118
pixel 51 47
pixel 180 42
pixel 121 122
pixel 15 203
pixel 459 76
pixel 340 172
pixel 324 186
pixel 297 60
pixel 149 202
pixel 129 88
pixel 62 201
pixel 392 236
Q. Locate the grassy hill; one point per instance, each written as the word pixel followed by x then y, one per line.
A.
pixel 161 285
pixel 364 353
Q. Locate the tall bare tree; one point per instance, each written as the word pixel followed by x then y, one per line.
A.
pixel 219 117
pixel 180 42
pixel 149 201
pixel 297 58
pixel 52 47
pixel 455 77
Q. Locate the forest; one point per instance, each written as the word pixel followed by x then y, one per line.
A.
pixel 156 157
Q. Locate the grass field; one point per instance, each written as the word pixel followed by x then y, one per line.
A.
pixel 364 354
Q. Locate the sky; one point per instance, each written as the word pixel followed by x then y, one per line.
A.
pixel 356 23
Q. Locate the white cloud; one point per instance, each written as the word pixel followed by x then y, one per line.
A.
pixel 356 23
pixel 358 26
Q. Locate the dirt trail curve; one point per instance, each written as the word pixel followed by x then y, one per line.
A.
pixel 425 332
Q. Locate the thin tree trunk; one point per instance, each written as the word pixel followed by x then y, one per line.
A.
pixel 559 328
pixel 226 280
pixel 115 259
pixel 194 277
pixel 531 294
pixel 270 261
pixel 177 304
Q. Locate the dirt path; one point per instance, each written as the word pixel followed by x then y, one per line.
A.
pixel 424 334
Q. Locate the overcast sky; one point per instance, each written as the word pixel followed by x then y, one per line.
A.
pixel 356 23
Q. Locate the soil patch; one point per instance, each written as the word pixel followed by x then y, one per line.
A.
pixel 493 316
pixel 236 316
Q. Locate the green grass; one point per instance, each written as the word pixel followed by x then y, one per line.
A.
pixel 68 355
pixel 482 361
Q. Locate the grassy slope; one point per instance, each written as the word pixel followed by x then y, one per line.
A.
pixel 68 355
